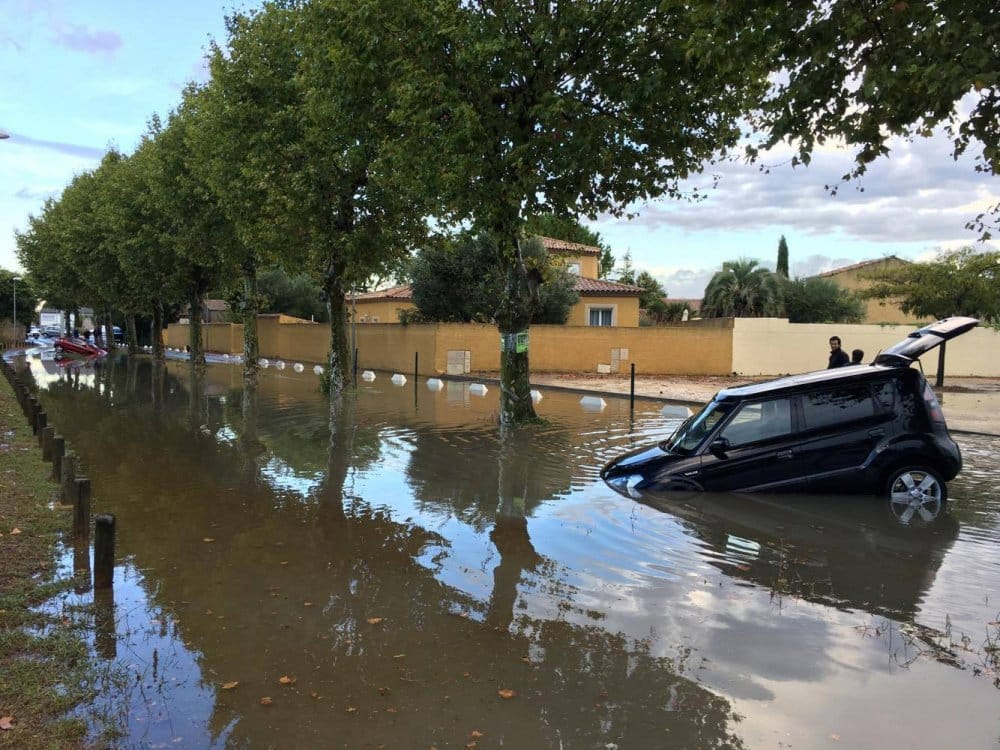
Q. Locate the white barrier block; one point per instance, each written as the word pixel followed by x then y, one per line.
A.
pixel 264 362
pixel 435 384
pixel 536 395
pixel 298 367
pixel 368 376
pixel 675 411
pixel 280 365
pixel 398 379
pixel 593 403
pixel 318 369
pixel 604 369
pixel 478 388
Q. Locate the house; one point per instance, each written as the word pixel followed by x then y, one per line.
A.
pixel 857 278
pixel 212 311
pixel 601 303
pixel 51 316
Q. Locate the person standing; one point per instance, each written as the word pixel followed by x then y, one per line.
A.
pixel 838 357
pixel 856 356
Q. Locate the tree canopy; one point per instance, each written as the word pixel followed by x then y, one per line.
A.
pixel 819 300
pixel 960 282
pixel 742 289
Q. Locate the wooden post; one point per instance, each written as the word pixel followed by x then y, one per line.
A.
pixel 33 413
pixel 41 422
pixel 48 434
pixel 67 477
pixel 58 450
pixel 104 551
pixel 631 392
pixel 81 508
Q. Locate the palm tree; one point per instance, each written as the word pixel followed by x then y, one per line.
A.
pixel 742 290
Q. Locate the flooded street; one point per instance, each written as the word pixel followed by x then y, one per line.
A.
pixel 396 576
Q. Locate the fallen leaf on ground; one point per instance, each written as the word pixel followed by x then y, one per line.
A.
pixel 506 693
pixel 6 723
pixel 208 540
pixel 475 734
pixel 392 710
pixel 15 530
pixel 374 620
pixel 286 680
pixel 351 710
pixel 266 701
pixel 229 685
pixel 307 604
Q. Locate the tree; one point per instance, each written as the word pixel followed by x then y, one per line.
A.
pixel 571 230
pixel 960 282
pixel 867 71
pixel 27 299
pixel 627 273
pixel 461 281
pixel 742 290
pixel 819 300
pixel 298 295
pixel 781 267
pixel 571 108
pixel 654 294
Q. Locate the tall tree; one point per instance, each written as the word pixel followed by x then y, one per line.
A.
pixel 564 107
pixel 867 71
pixel 781 267
pixel 819 300
pixel 654 294
pixel 742 290
pixel 960 282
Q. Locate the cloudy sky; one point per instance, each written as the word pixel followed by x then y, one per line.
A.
pixel 78 76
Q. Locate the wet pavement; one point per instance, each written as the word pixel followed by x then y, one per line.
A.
pixel 394 575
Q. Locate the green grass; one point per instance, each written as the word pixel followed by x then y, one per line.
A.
pixel 45 666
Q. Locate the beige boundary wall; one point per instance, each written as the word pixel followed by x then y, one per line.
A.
pixel 746 346
pixel 773 346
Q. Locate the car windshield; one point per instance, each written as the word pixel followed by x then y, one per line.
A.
pixel 692 433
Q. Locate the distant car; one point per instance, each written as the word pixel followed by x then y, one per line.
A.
pixel 119 336
pixel 52 331
pixel 867 429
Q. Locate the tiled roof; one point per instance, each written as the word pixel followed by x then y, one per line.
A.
pixel 862 264
pixel 603 288
pixel 403 292
pixel 562 247
pixel 216 305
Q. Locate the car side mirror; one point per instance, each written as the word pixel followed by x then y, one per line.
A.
pixel 719 447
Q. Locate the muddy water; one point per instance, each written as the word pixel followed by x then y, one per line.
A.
pixel 421 584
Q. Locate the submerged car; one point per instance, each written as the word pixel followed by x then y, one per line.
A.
pixel 77 347
pixel 862 429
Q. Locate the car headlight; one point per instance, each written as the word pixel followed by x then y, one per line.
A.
pixel 627 484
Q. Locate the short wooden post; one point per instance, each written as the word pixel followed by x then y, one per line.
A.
pixel 32 413
pixel 81 508
pixel 58 450
pixel 631 390
pixel 67 477
pixel 41 422
pixel 104 551
pixel 47 435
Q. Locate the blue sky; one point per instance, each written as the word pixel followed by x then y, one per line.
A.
pixel 80 76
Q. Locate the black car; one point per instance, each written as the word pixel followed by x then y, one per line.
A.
pixel 865 429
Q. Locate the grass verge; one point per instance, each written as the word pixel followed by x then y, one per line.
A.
pixel 45 667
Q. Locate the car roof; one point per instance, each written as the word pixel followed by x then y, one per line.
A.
pixel 807 379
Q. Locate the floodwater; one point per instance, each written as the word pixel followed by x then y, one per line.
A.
pixel 396 576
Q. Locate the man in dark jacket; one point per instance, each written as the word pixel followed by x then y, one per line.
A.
pixel 838 357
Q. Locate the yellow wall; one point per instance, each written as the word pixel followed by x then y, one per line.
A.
pixel 626 310
pixel 387 311
pixel 876 310
pixel 719 346
pixel 588 264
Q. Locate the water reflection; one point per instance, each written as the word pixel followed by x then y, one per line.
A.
pixel 401 565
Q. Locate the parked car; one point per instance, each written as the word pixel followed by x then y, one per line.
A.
pixel 52 331
pixel 868 429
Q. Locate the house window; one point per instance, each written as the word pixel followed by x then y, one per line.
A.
pixel 573 268
pixel 600 316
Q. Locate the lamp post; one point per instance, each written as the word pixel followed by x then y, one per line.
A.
pixel 15 279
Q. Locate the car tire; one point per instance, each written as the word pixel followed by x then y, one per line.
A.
pixel 916 495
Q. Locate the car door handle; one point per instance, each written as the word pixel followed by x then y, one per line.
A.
pixel 877 432
pixel 784 454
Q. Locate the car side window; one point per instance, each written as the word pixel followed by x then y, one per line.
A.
pixel 837 406
pixel 885 395
pixel 755 421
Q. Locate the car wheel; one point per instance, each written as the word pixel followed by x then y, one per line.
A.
pixel 917 495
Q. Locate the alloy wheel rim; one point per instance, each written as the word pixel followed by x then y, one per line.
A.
pixel 915 494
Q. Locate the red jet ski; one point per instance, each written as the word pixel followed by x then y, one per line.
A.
pixel 76 347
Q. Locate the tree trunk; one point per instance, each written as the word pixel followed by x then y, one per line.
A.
pixel 338 360
pixel 513 319
pixel 130 334
pixel 251 305
pixel 195 348
pixel 157 331
pixel 66 328
pixel 109 332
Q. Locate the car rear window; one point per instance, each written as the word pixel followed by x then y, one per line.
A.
pixel 837 406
